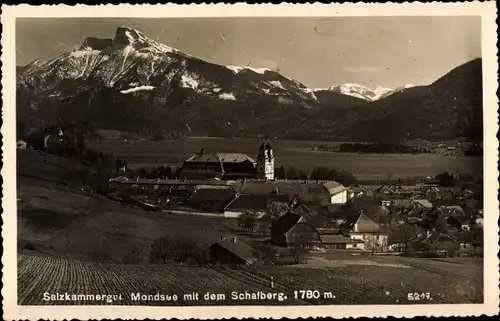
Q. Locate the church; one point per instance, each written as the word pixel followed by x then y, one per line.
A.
pixel 229 166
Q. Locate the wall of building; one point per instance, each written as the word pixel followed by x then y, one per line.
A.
pixel 236 214
pixel 376 242
pixel 355 246
pixel 340 198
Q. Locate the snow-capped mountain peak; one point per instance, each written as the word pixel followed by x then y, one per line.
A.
pixel 360 91
pixel 132 64
pixel 363 92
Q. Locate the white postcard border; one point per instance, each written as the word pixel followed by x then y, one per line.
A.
pixel 9 229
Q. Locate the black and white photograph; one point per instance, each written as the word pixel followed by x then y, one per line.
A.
pixel 251 160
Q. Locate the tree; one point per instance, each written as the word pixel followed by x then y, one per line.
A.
pixel 402 234
pixel 265 253
pixel 248 220
pixel 183 249
pixel 134 256
pixel 276 209
pixel 446 179
pixel 466 237
pixel 292 174
pixel 161 250
pixel 297 249
pixel 179 249
pixel 280 172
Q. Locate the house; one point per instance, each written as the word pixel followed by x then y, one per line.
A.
pixel 402 203
pixel 316 192
pixel 229 166
pixel 211 200
pixel 373 235
pixel 341 242
pixel 231 251
pixel 403 192
pixel 386 203
pixel 423 202
pixel 383 190
pixel 338 192
pixel 257 203
pixel 292 228
pixel 355 191
pixel 218 165
pixel 459 222
pixel 439 243
pixel 455 210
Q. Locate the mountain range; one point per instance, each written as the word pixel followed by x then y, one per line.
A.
pixel 135 84
pixel 362 92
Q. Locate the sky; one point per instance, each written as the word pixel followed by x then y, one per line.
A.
pixel 319 52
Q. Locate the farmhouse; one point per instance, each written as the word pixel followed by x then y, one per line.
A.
pixel 355 191
pixel 340 242
pixel 459 222
pixel 218 165
pixel 439 242
pixel 292 228
pixel 231 251
pixel 383 190
pixel 373 235
pixel 328 192
pixel 211 199
pixel 229 166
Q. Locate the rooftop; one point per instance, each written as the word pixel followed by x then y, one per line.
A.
pixel 220 157
pixel 338 239
pixel 255 202
pixel 237 247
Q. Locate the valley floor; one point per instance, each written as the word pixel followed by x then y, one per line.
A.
pixel 288 153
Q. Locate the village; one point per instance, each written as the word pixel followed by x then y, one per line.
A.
pixel 298 216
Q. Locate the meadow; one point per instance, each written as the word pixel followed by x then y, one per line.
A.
pixel 452 281
pixel 291 153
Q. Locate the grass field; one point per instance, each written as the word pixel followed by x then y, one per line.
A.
pixel 64 222
pixel 455 281
pixel 363 166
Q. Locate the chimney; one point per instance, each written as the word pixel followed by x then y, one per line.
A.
pixel 234 239
pixel 222 237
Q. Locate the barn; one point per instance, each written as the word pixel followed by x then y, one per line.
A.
pixel 231 251
pixel 291 228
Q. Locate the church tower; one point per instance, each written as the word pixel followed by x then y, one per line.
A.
pixel 265 162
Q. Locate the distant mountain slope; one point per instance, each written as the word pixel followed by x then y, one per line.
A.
pixel 450 107
pixel 331 98
pixel 133 83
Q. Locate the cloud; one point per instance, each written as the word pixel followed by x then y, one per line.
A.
pixel 359 68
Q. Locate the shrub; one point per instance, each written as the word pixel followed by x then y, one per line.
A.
pixel 180 249
pixel 134 256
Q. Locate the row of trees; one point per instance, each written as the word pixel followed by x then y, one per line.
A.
pixel 316 173
pixel 379 148
pixel 153 172
pixel 72 145
pixel 178 249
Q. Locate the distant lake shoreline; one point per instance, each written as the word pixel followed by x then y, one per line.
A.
pixel 289 154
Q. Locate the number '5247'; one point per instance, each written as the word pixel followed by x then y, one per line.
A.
pixel 419 296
